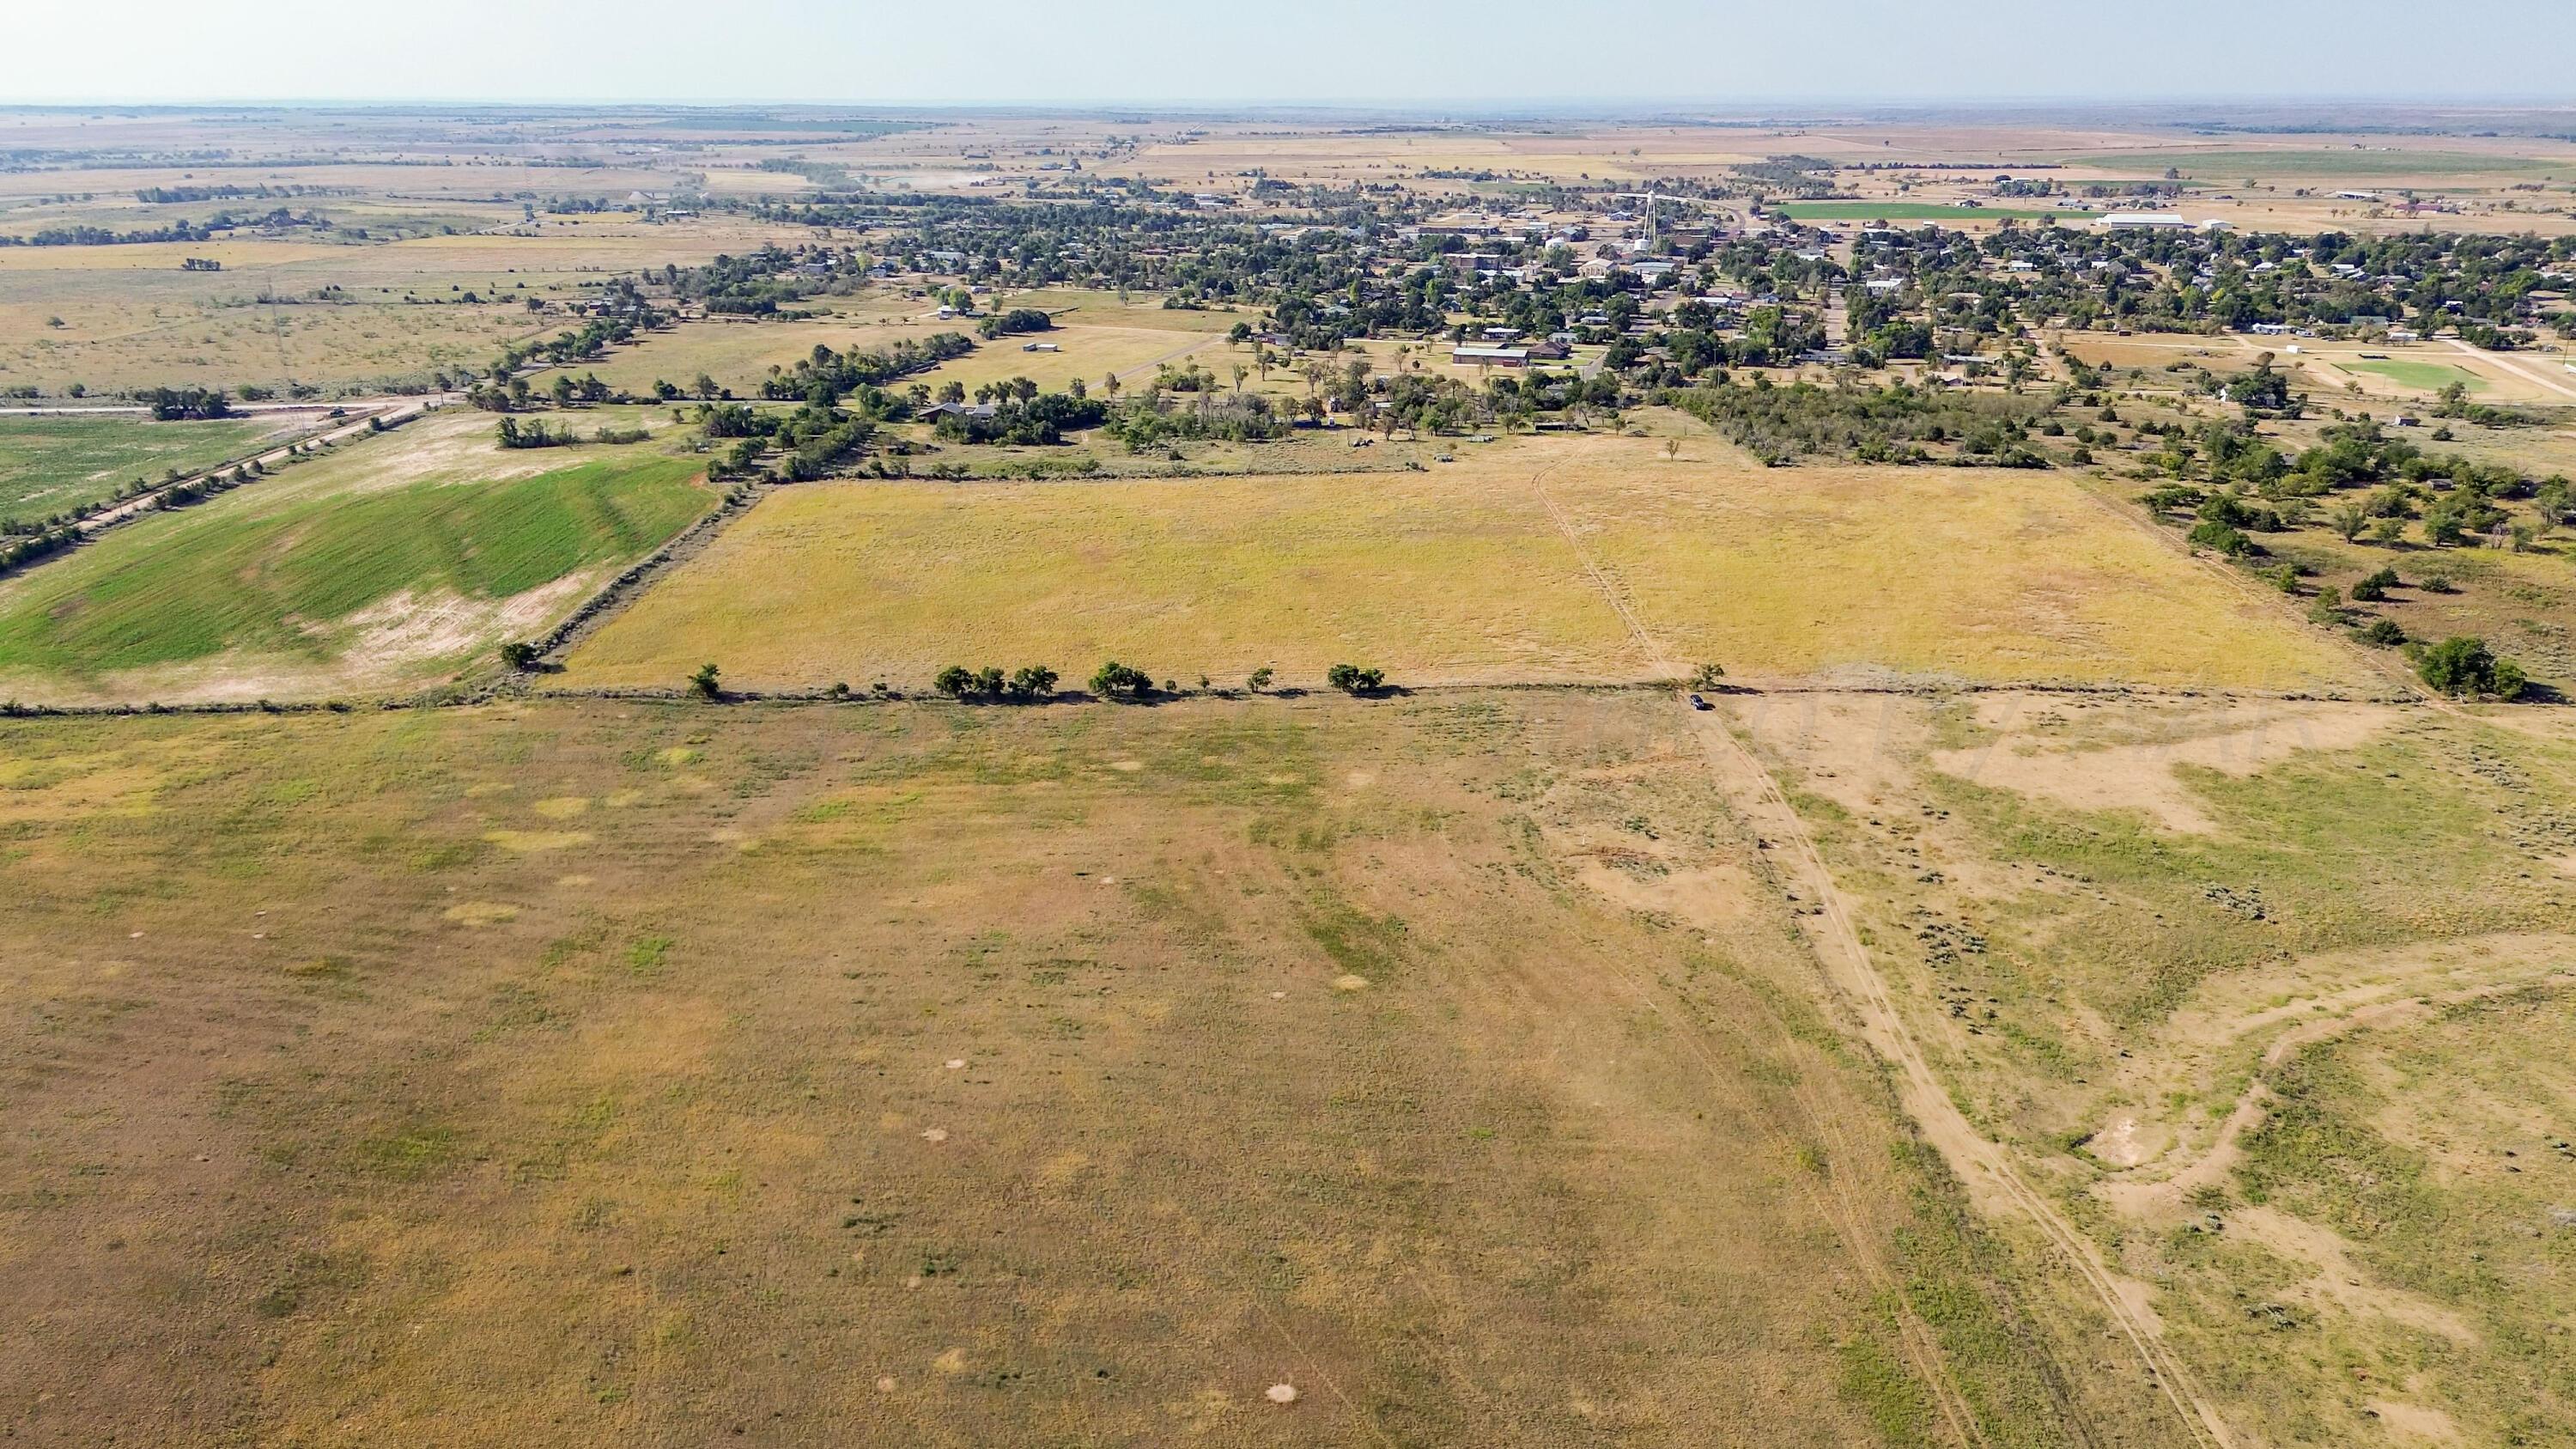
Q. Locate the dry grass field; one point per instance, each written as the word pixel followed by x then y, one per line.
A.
pixel 130 318
pixel 2055 994
pixel 937 1076
pixel 2269 995
pixel 1503 566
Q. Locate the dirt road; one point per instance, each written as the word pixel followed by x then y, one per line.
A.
pixel 1985 1166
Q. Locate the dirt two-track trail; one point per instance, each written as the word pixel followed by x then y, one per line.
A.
pixel 1982 1164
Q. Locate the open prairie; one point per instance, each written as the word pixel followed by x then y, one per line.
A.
pixel 2262 991
pixel 392 563
pixel 953 1077
pixel 1944 854
pixel 1512 564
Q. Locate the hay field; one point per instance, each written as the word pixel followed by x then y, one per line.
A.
pixel 1087 352
pixel 944 1077
pixel 393 563
pixel 1458 574
pixel 2275 994
pixel 49 464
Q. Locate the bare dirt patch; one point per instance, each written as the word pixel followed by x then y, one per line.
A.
pixel 2238 738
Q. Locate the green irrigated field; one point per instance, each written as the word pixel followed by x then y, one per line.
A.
pixel 50 464
pixel 1503 566
pixel 914 1075
pixel 2429 376
pixel 393 563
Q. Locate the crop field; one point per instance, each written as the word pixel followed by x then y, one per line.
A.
pixel 49 464
pixel 394 563
pixel 952 1077
pixel 2268 991
pixel 1459 574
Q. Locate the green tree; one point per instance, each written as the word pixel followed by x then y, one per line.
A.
pixel 1259 679
pixel 1114 680
pixel 705 682
pixel 1353 679
pixel 2463 665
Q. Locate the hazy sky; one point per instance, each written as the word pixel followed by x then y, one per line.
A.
pixel 1378 51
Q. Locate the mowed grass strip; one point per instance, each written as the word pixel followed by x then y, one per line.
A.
pixel 48 465
pixel 1460 575
pixel 2430 376
pixel 281 579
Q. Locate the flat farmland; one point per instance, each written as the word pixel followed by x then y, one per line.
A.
pixel 1501 567
pixel 2376 163
pixel 396 562
pixel 49 464
pixel 127 317
pixel 929 1076
pixel 1084 351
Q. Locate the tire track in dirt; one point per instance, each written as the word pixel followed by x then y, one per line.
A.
pixel 1921 1346
pixel 1979 1162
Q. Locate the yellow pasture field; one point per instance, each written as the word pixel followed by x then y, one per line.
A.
pixel 1503 567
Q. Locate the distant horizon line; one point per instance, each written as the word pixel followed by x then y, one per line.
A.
pixel 1748 108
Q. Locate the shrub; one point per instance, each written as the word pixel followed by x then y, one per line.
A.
pixel 2223 538
pixel 1708 676
pixel 2382 632
pixel 1259 679
pixel 2462 665
pixel 1114 680
pixel 954 681
pixel 1033 681
pixel 704 681
pixel 2374 586
pixel 1352 679
pixel 518 654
